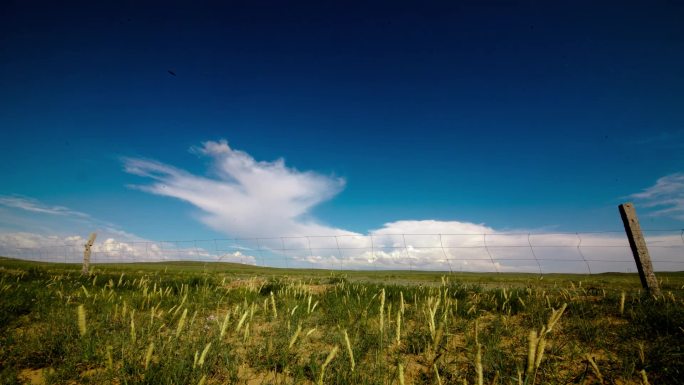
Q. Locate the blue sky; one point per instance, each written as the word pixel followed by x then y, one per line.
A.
pixel 345 117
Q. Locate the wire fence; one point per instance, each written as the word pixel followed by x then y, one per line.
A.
pixel 591 253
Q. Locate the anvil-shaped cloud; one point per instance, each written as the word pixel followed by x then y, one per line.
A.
pixel 246 197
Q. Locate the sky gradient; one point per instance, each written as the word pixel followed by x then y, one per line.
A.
pixel 170 120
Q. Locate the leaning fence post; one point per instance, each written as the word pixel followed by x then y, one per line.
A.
pixel 639 250
pixel 86 253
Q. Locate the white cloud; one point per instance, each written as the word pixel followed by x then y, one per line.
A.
pixel 667 196
pixel 452 250
pixel 246 196
pixel 52 248
pixel 33 205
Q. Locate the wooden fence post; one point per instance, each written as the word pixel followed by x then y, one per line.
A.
pixel 86 254
pixel 639 250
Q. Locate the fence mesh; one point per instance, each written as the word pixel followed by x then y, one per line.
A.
pixel 591 253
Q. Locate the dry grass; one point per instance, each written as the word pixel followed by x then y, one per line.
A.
pixel 150 327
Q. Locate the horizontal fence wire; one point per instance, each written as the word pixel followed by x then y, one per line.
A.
pixel 563 252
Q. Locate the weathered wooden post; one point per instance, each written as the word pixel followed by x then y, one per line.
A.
pixel 639 250
pixel 86 254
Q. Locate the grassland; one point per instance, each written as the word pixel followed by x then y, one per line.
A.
pixel 193 323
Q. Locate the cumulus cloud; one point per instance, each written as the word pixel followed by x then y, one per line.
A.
pixel 491 251
pixel 666 196
pixel 108 249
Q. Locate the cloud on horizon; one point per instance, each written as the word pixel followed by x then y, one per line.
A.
pixel 264 208
pixel 110 249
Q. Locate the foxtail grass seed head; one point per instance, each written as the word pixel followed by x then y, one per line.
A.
pixel 203 356
pixel 382 310
pixel 541 345
pixel 352 363
pixel 401 302
pixel 531 351
pixel 245 336
pixel 133 336
pixel 478 365
pixel 398 335
pixel 226 319
pixel 555 316
pixel 242 320
pixel 644 378
pixel 185 297
pixel 400 374
pixel 622 303
pixel 110 361
pixel 273 306
pixel 148 355
pixel 192 319
pixel 294 336
pixel 330 357
pixel 82 325
pixel 477 332
pixel 181 323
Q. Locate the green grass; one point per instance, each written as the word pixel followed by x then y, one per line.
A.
pixel 131 307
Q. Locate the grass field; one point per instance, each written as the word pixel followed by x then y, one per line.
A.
pixel 194 323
